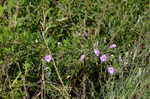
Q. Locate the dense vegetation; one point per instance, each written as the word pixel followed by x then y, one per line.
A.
pixel 69 31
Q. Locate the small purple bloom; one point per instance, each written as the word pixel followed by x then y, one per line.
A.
pixel 48 58
pixel 111 70
pixel 82 57
pixel 97 52
pixel 113 46
pixel 103 58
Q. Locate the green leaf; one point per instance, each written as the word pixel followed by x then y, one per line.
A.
pixel 1 10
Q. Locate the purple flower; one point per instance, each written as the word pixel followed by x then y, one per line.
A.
pixel 113 46
pixel 97 52
pixel 82 57
pixel 48 58
pixel 103 58
pixel 111 70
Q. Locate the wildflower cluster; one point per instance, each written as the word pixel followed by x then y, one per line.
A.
pixel 103 58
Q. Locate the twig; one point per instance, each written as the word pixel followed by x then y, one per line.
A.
pixel 56 69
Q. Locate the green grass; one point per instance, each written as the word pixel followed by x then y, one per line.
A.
pixel 66 29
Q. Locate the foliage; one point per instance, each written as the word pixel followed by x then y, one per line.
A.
pixel 67 29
